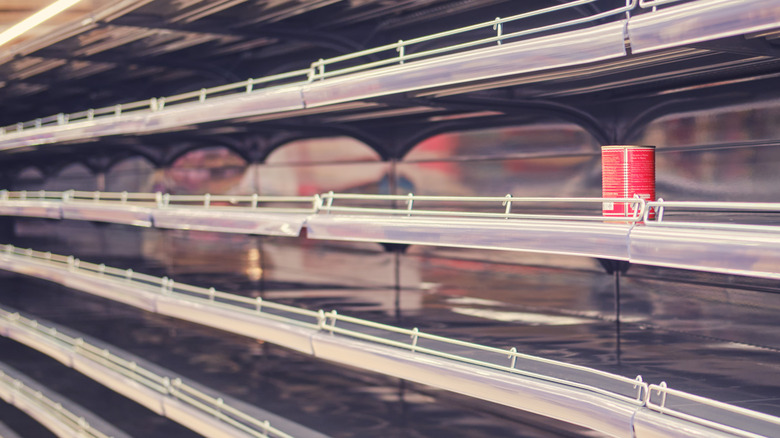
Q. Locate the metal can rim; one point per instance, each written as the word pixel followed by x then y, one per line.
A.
pixel 627 147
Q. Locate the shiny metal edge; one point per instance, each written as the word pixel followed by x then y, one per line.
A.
pixel 280 333
pixel 118 214
pixel 144 122
pixel 30 208
pixel 649 424
pixel 159 403
pixel 73 131
pixel 247 222
pixel 549 237
pixel 701 21
pixel 497 386
pixel 255 221
pixel 262 101
pixel 566 49
pixel 726 252
pixel 563 403
pixel 131 294
pixel 554 399
pixel 34 408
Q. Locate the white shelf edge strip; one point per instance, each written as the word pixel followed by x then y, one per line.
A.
pixel 315 87
pixel 203 410
pixel 488 373
pixel 51 410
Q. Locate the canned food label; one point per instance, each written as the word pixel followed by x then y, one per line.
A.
pixel 627 172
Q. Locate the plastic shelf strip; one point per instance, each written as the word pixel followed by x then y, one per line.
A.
pixel 754 254
pixel 118 214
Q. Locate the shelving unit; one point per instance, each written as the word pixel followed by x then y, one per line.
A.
pixel 438 72
pixel 282 216
pixel 516 68
pixel 200 409
pixel 61 416
pixel 523 224
pixel 543 386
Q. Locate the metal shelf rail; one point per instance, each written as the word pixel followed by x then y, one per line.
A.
pixel 516 224
pixel 344 79
pixel 503 228
pixel 59 415
pixel 731 419
pixel 571 226
pixel 595 399
pixel 724 245
pixel 728 244
pixel 201 409
pixel 252 214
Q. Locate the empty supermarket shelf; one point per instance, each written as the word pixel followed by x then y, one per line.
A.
pixel 584 396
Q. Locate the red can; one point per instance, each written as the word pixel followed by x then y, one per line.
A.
pixel 627 171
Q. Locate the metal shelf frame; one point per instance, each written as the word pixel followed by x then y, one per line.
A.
pixel 345 79
pixel 591 398
pixel 544 225
pixel 564 226
pixel 616 405
pixel 253 214
pixel 51 410
pixel 201 409
pixel 719 246
pixel 320 69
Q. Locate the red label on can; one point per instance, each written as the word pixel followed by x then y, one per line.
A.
pixel 626 172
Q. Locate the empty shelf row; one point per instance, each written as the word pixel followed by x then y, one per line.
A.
pixel 200 409
pixel 333 85
pixel 274 215
pixel 609 403
pixel 728 238
pixel 61 416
